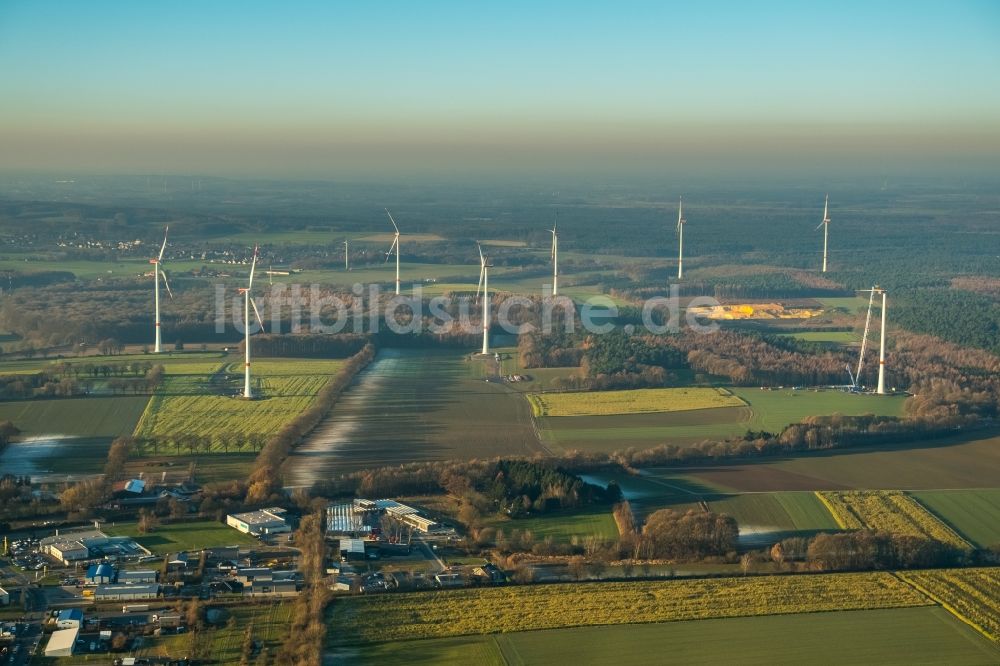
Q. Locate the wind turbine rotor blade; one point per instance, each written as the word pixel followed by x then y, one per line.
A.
pixel 163 247
pixel 253 267
pixel 260 321
pixel 166 284
pixel 392 220
pixel 820 225
pixel 392 248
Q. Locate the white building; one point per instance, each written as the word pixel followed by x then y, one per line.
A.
pixel 137 577
pixel 348 518
pixel 72 546
pixel 258 523
pixel 61 642
pixel 125 592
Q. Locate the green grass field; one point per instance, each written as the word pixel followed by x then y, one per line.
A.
pixel 79 432
pixel 183 536
pixel 966 462
pixel 187 403
pixel 766 410
pixel 639 401
pixel 787 514
pixel 975 514
pixel 899 636
pixel 563 527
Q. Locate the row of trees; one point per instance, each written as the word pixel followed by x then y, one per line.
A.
pixel 265 481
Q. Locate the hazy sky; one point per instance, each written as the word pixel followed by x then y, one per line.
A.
pixel 334 88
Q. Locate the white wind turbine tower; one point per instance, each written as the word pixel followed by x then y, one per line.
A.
pixel 555 260
pixel 880 390
pixel 394 246
pixel 248 303
pixel 347 260
pixel 157 274
pixel 680 238
pixel 484 285
pixel 826 227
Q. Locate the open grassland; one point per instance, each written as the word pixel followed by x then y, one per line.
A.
pixel 897 637
pixel 175 537
pixel 103 416
pixel 972 595
pixel 638 401
pixel 783 512
pixel 270 622
pixel 541 379
pixel 509 609
pixel 564 527
pixel 769 410
pixel 888 511
pixel 187 404
pixel 966 462
pixel 975 514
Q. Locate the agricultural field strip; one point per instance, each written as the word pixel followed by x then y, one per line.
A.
pixel 185 402
pixel 888 510
pixel 971 595
pixel 634 401
pixel 509 609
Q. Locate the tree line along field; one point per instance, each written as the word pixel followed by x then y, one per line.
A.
pixel 189 403
pixel 525 608
pixel 888 511
pixel 634 401
pixel 768 410
pixel 894 637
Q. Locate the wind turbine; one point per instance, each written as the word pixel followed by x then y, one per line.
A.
pixel 555 258
pixel 680 238
pixel 880 390
pixel 248 302
pixel 394 246
pixel 484 285
pixel 347 260
pixel 864 337
pixel 826 227
pixel 157 273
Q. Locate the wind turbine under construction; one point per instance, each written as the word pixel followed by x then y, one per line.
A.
pixel 826 227
pixel 157 274
pixel 555 258
pixel 248 302
pixel 484 285
pixel 880 389
pixel 394 247
pixel 680 238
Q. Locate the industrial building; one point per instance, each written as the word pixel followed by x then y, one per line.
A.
pixel 359 517
pixel 69 618
pixel 100 574
pixel 72 546
pixel 62 642
pixel 352 549
pixel 137 577
pixel 270 588
pixel 126 592
pixel 351 518
pixel 260 523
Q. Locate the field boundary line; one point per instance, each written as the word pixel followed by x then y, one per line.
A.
pixel 944 523
pixel 829 507
pixel 948 607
